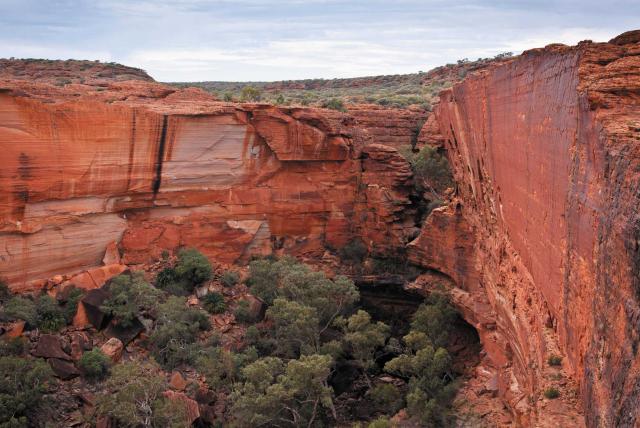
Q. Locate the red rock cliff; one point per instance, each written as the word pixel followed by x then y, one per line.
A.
pixel 104 160
pixel 545 152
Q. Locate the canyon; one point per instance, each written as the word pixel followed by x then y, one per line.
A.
pixel 537 244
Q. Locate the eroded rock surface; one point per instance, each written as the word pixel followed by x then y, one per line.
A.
pixel 545 153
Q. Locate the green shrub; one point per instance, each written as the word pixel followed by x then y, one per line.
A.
pixel 250 93
pixel 131 297
pixel 551 393
pixel 354 251
pixel 168 280
pixel 387 398
pixel 364 337
pixel 273 393
pixel 71 305
pixel 334 104
pixel 431 172
pixel 94 364
pixel 22 384
pixel 230 278
pixel 50 316
pixel 174 340
pixel 15 346
pixel 193 268
pixel 296 328
pixel 554 360
pixel 133 397
pixel 21 308
pixel 214 303
pixel 380 422
pixel 243 312
pixel 435 318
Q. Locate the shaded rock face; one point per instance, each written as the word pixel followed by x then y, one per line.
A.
pixel 545 153
pixel 154 168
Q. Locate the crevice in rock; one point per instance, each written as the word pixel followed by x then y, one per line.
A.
pixel 155 186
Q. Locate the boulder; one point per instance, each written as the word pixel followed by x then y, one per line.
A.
pixel 63 369
pixel 92 302
pixel 124 334
pixel 50 346
pixel 16 330
pixel 177 381
pixel 191 406
pixel 113 348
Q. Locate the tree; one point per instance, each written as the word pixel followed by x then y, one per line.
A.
pixel 286 278
pixel 435 318
pixel 193 268
pixel 131 297
pixel 174 340
pixel 295 327
pixel 334 104
pixel 133 397
pixel 296 394
pixel 94 364
pixel 431 172
pixel 250 93
pixel 364 337
pixel 22 384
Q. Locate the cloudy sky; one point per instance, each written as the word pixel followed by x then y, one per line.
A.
pixel 195 40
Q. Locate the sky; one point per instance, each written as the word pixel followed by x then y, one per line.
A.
pixel 266 40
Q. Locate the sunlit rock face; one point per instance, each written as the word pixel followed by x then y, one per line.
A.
pixel 153 168
pixel 545 154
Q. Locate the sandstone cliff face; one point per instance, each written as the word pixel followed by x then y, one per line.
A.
pixel 545 152
pixel 154 168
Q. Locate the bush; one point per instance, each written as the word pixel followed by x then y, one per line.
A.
pixel 250 93
pixel 551 393
pixel 193 268
pixel 435 318
pixel 554 360
pixel 173 342
pixel 295 328
pixel 71 305
pixel 214 303
pixel 133 397
pixel 355 251
pixel 334 104
pixel 381 422
pixel 131 297
pixel 431 172
pixel 94 364
pixel 22 384
pixel 387 398
pixel 243 312
pixel 50 316
pixel 168 280
pixel 274 393
pixel 16 346
pixel 21 308
pixel 364 337
pixel 230 278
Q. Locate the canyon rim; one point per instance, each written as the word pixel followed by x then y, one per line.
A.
pixel 535 241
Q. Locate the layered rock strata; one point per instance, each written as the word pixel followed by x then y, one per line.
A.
pixel 544 241
pixel 153 168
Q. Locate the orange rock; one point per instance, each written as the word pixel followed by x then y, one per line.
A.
pixel 191 406
pixel 113 348
pixel 16 330
pixel 177 381
pixel 80 319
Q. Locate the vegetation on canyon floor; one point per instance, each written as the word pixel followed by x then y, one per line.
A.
pixel 310 358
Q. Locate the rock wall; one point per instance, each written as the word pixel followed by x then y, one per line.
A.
pixel 153 168
pixel 545 153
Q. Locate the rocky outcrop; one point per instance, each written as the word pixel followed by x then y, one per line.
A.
pixel 153 168
pixel 544 150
